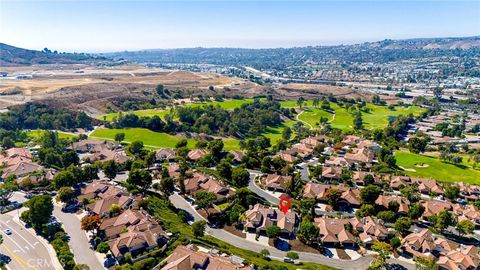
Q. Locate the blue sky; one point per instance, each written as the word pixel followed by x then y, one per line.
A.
pixel 100 26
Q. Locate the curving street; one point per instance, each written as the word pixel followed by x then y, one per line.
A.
pixel 359 264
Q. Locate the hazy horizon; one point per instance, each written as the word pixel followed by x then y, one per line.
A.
pixel 104 26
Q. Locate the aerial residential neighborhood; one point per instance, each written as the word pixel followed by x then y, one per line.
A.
pixel 240 135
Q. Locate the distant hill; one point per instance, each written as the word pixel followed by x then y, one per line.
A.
pixel 13 56
pixel 377 52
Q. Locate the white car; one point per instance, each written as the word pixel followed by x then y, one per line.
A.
pixel 7 231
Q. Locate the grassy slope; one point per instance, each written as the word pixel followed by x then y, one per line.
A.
pixel 148 137
pixel 437 169
pixel 275 134
pixel 376 118
pixel 154 139
pixel 227 104
pixel 342 120
pixel 34 134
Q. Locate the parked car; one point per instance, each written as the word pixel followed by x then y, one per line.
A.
pixel 53 222
pixel 287 260
pixel 70 208
pixel 7 231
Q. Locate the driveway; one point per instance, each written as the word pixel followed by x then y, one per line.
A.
pixel 79 242
pixel 25 249
pixel 359 264
pixel 260 192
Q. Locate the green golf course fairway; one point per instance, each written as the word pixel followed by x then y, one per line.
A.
pixel 431 167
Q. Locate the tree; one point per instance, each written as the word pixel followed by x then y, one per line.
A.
pixel 300 102
pixel 438 92
pixel 402 225
pixel 443 220
pixel 292 255
pixel 110 169
pixel 150 158
pixel 384 251
pixel 307 232
pixel 395 242
pixel 167 186
pixel 205 199
pixel 7 142
pixel 368 180
pixel 452 192
pixel 64 179
pixel 387 216
pixel 40 209
pixel 425 263
pixel 198 228
pixel 365 211
pixel 333 197
pixel 411 193
pixel 119 137
pixel 224 169
pixel 70 158
pixel 273 231
pixel 287 133
pixel 48 139
pixel 393 206
pixel 235 213
pixel 358 121
pixel 181 143
pixel 216 148
pixel 6 192
pixel 369 194
pixel 465 227
pixel 102 247
pixel 240 176
pixel 140 178
pixel 160 90
pixel 265 253
pixel 307 208
pixel 65 194
pixel 135 148
pixel 417 145
pixel 115 209
pixel 90 223
pixel 415 211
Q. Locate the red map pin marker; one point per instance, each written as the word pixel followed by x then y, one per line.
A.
pixel 284 204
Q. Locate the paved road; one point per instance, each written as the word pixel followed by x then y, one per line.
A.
pixel 25 249
pixel 79 242
pixel 223 235
pixel 260 192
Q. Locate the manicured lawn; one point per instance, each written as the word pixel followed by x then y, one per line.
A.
pixel 436 169
pixel 35 134
pixel 378 116
pixel 227 105
pixel 293 103
pixel 161 113
pixel 153 139
pixel 312 116
pixel 343 119
pixel 148 137
pixel 275 134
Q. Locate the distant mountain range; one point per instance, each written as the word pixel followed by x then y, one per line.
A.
pixel 13 56
pixel 377 52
